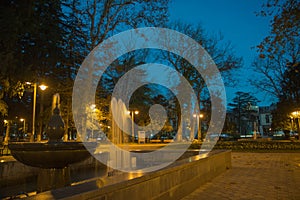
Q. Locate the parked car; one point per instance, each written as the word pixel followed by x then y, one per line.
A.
pixel 278 135
pixel 155 139
pixel 226 137
pixel 213 136
pixel 222 137
pixel 251 135
pixel 293 135
pixel 167 139
pixel 247 136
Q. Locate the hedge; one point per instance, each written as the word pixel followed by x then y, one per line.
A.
pixel 249 145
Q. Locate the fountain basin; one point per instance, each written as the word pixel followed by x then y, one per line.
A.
pixel 49 155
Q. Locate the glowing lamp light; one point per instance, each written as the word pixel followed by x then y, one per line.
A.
pixel 43 87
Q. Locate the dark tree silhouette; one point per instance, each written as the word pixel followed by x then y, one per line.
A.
pixel 240 106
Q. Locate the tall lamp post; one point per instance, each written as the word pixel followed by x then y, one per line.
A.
pixel 93 108
pixel 24 125
pixel 42 87
pixel 7 123
pixel 198 117
pixel 296 115
pixel 135 112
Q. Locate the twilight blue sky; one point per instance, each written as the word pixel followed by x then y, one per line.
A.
pixel 236 20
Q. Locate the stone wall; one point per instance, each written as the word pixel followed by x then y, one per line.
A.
pixel 173 182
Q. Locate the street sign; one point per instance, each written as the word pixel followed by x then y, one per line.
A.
pixel 141 136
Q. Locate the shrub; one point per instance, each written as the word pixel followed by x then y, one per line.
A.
pixel 250 145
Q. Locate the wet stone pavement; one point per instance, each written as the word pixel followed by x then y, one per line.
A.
pixel 255 176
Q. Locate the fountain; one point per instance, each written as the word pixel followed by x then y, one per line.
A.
pixel 52 157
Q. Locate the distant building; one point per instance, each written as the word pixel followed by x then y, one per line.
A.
pixel 250 121
pixel 253 118
pixel 265 119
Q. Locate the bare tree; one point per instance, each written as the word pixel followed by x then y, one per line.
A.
pixel 281 48
pixel 220 51
pixel 101 19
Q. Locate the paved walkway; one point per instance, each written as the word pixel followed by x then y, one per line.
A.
pixel 255 176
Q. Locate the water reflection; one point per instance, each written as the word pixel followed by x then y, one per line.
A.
pixel 27 186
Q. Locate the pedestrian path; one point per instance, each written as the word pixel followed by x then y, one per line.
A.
pixel 255 176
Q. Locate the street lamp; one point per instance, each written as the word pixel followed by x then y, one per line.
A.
pixel 292 123
pixel 6 122
pixel 42 87
pixel 23 120
pixel 93 108
pixel 135 112
pixel 296 115
pixel 198 117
